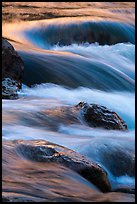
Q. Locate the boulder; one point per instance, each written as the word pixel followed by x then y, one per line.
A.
pixel 49 152
pixel 99 116
pixel 12 70
pixel 46 181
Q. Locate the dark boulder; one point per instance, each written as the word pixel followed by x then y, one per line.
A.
pixel 12 70
pixel 49 152
pixel 12 64
pixel 99 116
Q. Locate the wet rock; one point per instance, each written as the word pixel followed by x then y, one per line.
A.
pixel 12 70
pixel 49 152
pixel 99 116
pixel 9 88
pixel 46 181
pixel 12 64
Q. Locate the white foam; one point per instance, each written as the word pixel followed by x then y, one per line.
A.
pixel 121 55
pixel 123 103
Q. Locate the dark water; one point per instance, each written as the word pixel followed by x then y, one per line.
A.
pixel 68 60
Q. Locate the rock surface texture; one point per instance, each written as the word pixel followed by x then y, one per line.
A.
pixel 9 88
pixel 49 152
pixel 99 116
pixel 12 71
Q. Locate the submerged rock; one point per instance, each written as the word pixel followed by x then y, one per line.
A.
pixel 12 71
pixel 49 152
pixel 118 161
pixel 99 116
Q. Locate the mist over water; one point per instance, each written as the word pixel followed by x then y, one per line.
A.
pixel 68 60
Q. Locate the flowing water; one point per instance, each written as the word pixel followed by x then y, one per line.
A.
pixel 68 60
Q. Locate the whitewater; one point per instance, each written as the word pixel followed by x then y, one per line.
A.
pixel 63 70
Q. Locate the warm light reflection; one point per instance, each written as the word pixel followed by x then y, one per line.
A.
pixel 72 51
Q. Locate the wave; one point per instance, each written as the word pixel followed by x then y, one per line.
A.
pixel 116 155
pixel 60 55
pixel 74 71
pixel 45 35
pixel 121 56
pixel 66 31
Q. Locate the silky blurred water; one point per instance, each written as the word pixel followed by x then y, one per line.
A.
pixel 62 70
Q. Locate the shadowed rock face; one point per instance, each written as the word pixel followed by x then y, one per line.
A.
pixel 49 152
pixel 99 116
pixel 12 64
pixel 12 71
